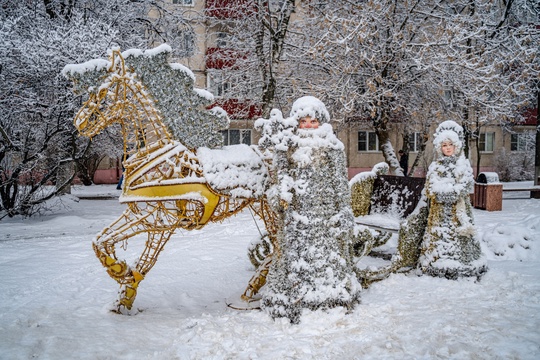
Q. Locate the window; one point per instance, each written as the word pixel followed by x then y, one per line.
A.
pixel 522 141
pixel 183 2
pixel 277 5
pixel 188 43
pixel 367 141
pixel 238 84
pixel 486 142
pixel 222 39
pixel 236 136
pixel 358 82
pixel 451 97
pixel 320 5
pixel 217 85
pixel 183 42
pixel 415 142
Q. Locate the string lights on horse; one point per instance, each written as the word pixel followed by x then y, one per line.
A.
pixel 171 177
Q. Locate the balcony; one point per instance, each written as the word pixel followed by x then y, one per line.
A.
pixel 239 109
pixel 230 9
pixel 530 116
pixel 220 58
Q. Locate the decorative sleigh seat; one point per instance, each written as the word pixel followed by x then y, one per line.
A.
pixel 383 201
pixel 236 170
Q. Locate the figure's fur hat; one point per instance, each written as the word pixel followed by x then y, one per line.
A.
pixel 448 131
pixel 310 106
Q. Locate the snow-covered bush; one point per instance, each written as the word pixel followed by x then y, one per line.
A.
pixel 514 166
pixel 362 187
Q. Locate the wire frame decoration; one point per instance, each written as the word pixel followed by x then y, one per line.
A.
pixel 166 185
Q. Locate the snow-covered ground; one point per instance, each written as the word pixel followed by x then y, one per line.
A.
pixel 55 297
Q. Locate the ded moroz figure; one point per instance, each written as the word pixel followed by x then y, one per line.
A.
pixel 312 261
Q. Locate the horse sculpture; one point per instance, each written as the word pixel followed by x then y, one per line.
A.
pixel 168 184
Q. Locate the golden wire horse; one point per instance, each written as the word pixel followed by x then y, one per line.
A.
pixel 164 187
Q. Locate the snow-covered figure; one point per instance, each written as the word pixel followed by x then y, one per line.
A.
pixel 312 260
pixel 438 238
pixel 449 247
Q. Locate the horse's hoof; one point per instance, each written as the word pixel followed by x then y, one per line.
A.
pixel 122 310
pixel 128 292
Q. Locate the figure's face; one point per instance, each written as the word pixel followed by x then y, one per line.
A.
pixel 448 148
pixel 307 122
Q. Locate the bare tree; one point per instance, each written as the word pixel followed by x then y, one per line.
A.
pixel 251 63
pixel 495 60
pixel 391 62
pixel 372 60
pixel 38 143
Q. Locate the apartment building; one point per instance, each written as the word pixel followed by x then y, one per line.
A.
pixel 495 146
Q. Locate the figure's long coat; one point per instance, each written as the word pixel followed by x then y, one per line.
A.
pixel 312 265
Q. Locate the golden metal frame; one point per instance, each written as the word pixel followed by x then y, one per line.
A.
pixel 164 186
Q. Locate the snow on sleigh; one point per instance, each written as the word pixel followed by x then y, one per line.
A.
pixel 381 201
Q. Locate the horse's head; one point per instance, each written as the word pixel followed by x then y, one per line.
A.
pixel 115 94
pixel 90 78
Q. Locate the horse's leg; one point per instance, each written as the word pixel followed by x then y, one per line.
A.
pixel 126 226
pixel 159 227
pixel 269 218
pixel 129 224
pixel 128 290
pixel 258 280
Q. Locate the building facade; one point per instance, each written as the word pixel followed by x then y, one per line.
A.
pixel 209 50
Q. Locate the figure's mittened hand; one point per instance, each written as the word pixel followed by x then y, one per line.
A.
pixel 450 197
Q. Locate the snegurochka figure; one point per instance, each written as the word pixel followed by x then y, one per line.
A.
pixel 312 263
pixel 449 247
pixel 439 237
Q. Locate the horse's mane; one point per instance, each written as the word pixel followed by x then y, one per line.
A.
pixel 182 107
